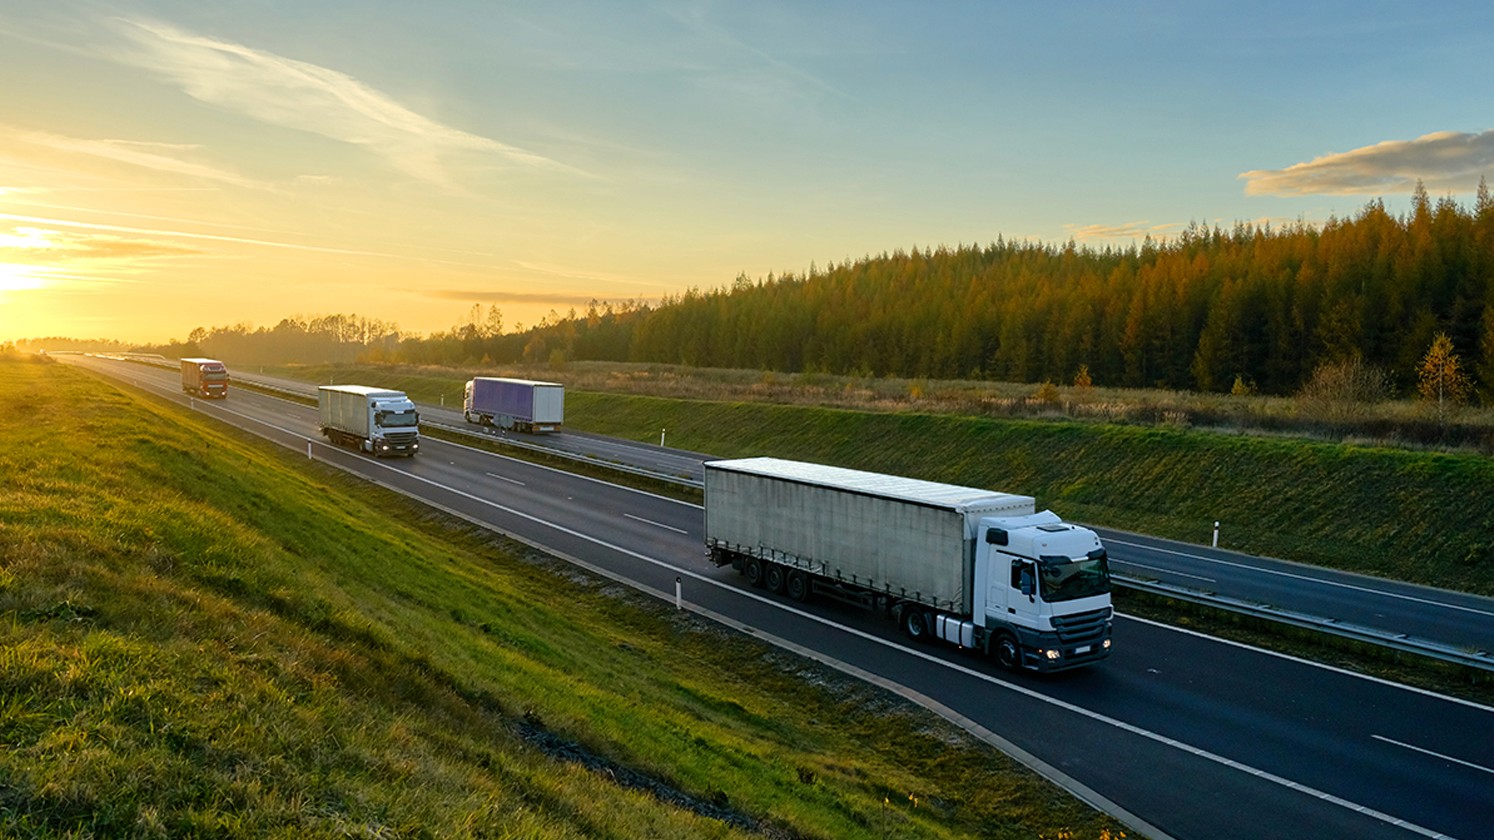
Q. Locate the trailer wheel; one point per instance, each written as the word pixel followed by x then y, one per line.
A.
pixel 915 624
pixel 798 585
pixel 752 569
pixel 773 578
pixel 1008 654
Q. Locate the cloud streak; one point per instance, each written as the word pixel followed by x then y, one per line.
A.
pixel 1444 160
pixel 160 157
pixel 490 296
pixel 1129 230
pixel 296 94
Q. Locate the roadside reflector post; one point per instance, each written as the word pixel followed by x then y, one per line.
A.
pixel 1216 533
pixel 308 449
pixel 661 438
pixel 679 599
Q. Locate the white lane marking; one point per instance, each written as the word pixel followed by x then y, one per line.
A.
pixel 1078 710
pixel 656 524
pixel 1116 562
pixel 1325 582
pixel 506 478
pixel 1414 748
pixel 1308 662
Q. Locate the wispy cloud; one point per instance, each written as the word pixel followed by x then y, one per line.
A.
pixel 40 245
pixel 1444 160
pixel 499 296
pixel 1128 230
pixel 296 94
pixel 161 157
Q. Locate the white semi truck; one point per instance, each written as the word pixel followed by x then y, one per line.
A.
pixel 980 569
pixel 376 420
pixel 522 404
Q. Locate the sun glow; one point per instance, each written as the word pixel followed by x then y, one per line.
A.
pixel 15 277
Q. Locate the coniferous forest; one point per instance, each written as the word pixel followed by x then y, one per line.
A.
pixel 1207 310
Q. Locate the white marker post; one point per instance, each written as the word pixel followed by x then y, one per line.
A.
pixel 661 438
pixel 1216 533
pixel 679 599
pixel 308 449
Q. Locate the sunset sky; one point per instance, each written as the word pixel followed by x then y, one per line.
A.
pixel 172 165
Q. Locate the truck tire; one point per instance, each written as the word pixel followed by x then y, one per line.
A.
pixel 798 585
pixel 1007 652
pixel 915 624
pixel 774 578
pixel 752 569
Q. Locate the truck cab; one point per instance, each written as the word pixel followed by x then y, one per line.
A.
pixel 394 427
pixel 1043 587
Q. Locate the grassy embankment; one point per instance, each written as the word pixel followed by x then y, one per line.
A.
pixel 206 635
pixel 1411 515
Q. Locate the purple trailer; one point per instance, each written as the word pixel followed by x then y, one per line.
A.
pixel 520 404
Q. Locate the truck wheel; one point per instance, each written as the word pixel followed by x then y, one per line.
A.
pixel 1008 654
pixel 798 585
pixel 915 624
pixel 773 578
pixel 753 571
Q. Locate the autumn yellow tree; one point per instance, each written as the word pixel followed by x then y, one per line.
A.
pixel 1440 377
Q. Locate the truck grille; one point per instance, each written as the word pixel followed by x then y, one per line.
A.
pixel 1081 627
pixel 401 438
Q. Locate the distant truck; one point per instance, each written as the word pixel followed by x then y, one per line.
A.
pixel 973 567
pixel 521 404
pixel 375 420
pixel 205 378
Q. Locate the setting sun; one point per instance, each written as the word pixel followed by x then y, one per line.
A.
pixel 21 278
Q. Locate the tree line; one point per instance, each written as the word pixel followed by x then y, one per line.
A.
pixel 1211 309
pixel 1261 307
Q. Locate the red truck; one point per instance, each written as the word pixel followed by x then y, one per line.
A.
pixel 205 378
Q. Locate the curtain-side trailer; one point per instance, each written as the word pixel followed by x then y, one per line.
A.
pixel 375 420
pixel 976 568
pixel 522 404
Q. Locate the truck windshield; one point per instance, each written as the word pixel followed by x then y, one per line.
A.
pixel 396 419
pixel 1065 579
pixel 215 376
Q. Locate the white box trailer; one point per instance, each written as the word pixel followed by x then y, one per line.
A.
pixel 975 567
pixel 376 420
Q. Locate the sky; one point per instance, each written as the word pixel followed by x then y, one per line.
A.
pixel 172 165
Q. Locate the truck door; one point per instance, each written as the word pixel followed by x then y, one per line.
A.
pixel 1021 595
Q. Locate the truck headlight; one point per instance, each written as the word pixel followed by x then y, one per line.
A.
pixel 1105 644
pixel 1052 653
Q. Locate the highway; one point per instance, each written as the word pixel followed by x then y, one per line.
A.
pixel 1179 735
pixel 1390 609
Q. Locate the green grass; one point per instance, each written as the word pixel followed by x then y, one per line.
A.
pixel 204 635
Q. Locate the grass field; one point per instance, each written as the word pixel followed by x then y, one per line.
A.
pixel 1414 515
pixel 204 635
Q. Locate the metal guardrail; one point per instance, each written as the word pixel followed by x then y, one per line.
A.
pixel 1481 659
pixel 1471 657
pixel 571 456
